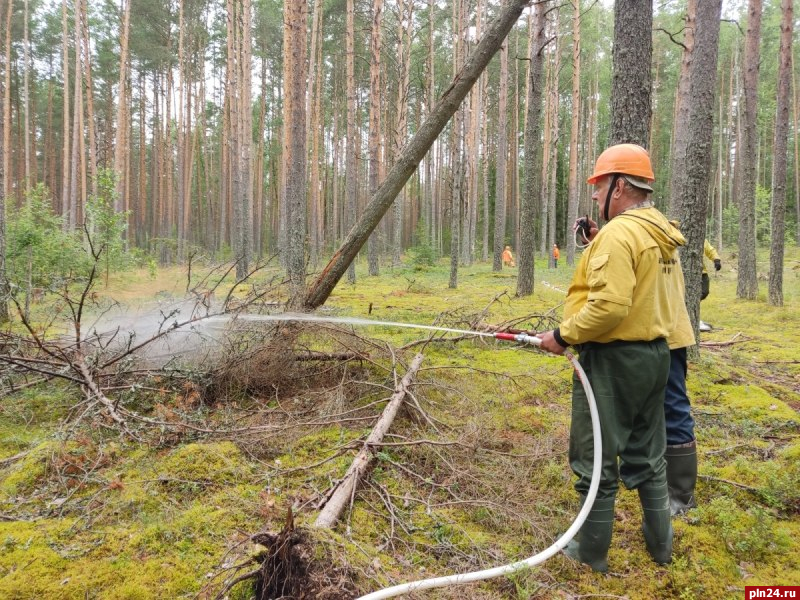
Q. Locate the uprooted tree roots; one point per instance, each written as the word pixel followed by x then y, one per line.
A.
pixel 290 567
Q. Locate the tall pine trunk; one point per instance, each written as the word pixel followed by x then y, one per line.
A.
pixel 7 168
pixel 120 141
pixel 294 127
pixel 351 169
pixel 691 208
pixel 630 83
pixel 502 153
pixel 533 151
pixel 747 281
pixel 374 124
pixel 781 155
pixel 573 187
pixel 680 126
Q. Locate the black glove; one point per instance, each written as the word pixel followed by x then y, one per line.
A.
pixel 717 264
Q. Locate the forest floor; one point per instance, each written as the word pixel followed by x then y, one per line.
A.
pixel 475 474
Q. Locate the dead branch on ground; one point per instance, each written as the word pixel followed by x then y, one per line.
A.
pixel 739 338
pixel 344 490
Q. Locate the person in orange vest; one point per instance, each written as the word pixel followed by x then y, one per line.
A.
pixel 556 256
pixel 508 259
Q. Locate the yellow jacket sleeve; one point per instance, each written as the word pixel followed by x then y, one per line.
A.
pixel 710 251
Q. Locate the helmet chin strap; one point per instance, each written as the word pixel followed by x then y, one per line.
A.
pixel 611 187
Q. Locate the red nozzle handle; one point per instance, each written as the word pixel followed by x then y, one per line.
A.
pixel 522 338
pixel 511 337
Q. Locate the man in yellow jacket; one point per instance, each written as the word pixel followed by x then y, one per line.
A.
pixel 619 312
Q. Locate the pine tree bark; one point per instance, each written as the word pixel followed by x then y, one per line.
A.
pixel 691 208
pixel 89 91
pixel 542 205
pixel 245 63
pixel 680 126
pixel 573 191
pixel 233 94
pixel 294 127
pixel 65 158
pixel 405 10
pixel 473 156
pixel 457 152
pixel 4 287
pixel 502 153
pixel 430 102
pixel 553 149
pixel 533 152
pixel 747 280
pixel 630 83
pixel 181 133
pixel 374 124
pixel 26 98
pixel 8 189
pixel 351 168
pixel 313 110
pixel 76 164
pixel 775 292
pixel 121 137
pixel 796 119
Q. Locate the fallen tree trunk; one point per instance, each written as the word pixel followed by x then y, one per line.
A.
pixel 414 151
pixel 344 491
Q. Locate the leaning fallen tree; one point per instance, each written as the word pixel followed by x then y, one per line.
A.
pixel 414 151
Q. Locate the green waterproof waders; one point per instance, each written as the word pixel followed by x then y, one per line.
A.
pixel 681 476
pixel 628 380
pixel 656 520
pixel 590 545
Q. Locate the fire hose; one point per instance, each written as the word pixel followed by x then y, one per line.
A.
pixel 560 543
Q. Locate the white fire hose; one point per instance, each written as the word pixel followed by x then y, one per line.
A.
pixel 559 544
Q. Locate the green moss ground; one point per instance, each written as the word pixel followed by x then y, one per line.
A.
pixel 88 515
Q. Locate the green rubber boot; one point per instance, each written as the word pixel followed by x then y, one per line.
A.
pixel 656 520
pixel 591 544
pixel 681 476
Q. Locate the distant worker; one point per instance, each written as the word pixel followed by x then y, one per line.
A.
pixel 556 256
pixel 711 254
pixel 619 312
pixel 508 259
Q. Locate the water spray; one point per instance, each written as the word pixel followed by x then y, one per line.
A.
pixel 561 542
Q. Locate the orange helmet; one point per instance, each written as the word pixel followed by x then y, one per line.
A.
pixel 626 159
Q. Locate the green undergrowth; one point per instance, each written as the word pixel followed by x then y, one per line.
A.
pixel 87 513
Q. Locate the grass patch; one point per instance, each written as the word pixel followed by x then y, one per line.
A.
pixel 90 515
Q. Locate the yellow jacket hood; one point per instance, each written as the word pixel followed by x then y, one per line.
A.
pixel 667 236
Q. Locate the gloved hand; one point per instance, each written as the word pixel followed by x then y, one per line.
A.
pixel 717 264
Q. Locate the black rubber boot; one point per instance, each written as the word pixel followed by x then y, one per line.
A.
pixel 681 476
pixel 591 544
pixel 656 520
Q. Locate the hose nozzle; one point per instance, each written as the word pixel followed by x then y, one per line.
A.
pixel 522 338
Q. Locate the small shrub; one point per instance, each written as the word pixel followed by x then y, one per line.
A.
pixel 748 535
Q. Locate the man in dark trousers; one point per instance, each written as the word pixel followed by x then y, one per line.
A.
pixel 619 313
